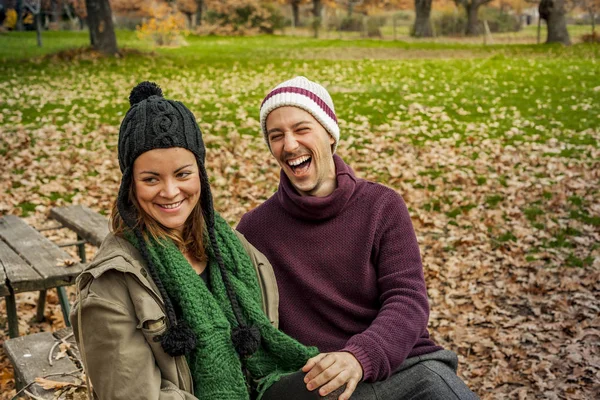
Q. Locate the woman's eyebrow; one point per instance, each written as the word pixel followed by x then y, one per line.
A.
pixel 157 174
pixel 180 168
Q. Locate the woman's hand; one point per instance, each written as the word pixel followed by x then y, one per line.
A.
pixel 330 371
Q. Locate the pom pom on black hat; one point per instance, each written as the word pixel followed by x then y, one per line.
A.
pixel 246 340
pixel 143 90
pixel 178 340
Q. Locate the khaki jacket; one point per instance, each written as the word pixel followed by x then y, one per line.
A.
pixel 118 318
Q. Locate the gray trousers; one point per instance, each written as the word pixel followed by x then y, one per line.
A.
pixel 428 377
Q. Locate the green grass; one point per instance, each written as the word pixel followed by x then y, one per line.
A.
pixel 530 90
pixel 23 45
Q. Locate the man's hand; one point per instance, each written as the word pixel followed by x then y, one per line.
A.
pixel 330 371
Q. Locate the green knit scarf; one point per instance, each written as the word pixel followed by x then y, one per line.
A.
pixel 215 365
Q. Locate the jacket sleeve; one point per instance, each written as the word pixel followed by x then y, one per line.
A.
pixel 117 357
pixel 404 312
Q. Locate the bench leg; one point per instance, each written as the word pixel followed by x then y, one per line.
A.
pixel 41 304
pixel 64 304
pixel 11 311
pixel 81 250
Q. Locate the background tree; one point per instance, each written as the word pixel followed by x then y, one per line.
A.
pixel 296 11
pixel 135 7
pixel 189 9
pixel 100 24
pixel 591 7
pixel 295 4
pixel 35 8
pixel 19 9
pixel 349 5
pixel 554 13
pixel 317 12
pixel 472 9
pixel 422 26
pixel 199 7
pixel 53 9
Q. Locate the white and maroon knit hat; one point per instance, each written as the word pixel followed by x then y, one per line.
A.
pixel 307 95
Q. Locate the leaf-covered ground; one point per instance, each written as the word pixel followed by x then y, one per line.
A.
pixel 495 150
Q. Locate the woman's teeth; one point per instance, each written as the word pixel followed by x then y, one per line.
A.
pixel 171 206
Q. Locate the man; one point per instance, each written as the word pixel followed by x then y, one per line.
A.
pixel 346 260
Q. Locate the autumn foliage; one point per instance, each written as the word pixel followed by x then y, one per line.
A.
pixel 165 25
pixel 240 17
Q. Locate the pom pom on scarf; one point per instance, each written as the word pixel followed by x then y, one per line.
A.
pixel 246 340
pixel 178 340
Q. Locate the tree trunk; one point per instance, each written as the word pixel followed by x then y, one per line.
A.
pixel 296 12
pixel 539 30
pixel 19 10
pixel 350 8
pixel 422 26
pixel 472 19
pixel 200 4
pixel 100 24
pixel 55 14
pixel 317 8
pixel 38 27
pixel 553 11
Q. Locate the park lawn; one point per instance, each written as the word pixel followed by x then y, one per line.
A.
pixel 495 150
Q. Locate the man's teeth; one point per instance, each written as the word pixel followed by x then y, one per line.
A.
pixel 298 161
pixel 174 205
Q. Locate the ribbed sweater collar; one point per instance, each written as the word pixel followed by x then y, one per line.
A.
pixel 318 208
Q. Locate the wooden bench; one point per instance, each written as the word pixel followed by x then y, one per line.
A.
pixel 30 354
pixel 35 356
pixel 31 262
pixel 90 226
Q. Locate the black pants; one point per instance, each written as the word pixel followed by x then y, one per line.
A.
pixel 292 387
pixel 428 377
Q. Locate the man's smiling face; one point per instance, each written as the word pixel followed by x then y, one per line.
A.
pixel 303 149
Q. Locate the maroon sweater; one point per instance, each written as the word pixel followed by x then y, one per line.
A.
pixel 348 269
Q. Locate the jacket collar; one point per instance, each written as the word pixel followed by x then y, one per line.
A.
pixel 116 253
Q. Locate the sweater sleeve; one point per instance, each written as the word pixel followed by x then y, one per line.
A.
pixel 404 312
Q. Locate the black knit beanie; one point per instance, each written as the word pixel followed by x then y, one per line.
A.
pixel 154 122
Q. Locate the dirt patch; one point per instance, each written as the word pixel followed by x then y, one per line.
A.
pixel 89 54
pixel 361 53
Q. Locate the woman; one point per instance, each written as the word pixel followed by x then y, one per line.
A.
pixel 174 304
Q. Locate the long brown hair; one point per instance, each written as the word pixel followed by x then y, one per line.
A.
pixel 191 241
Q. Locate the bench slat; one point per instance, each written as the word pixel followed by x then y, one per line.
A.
pixel 29 356
pixel 90 225
pixel 22 276
pixel 39 252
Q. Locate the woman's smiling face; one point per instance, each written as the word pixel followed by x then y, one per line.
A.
pixel 167 185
